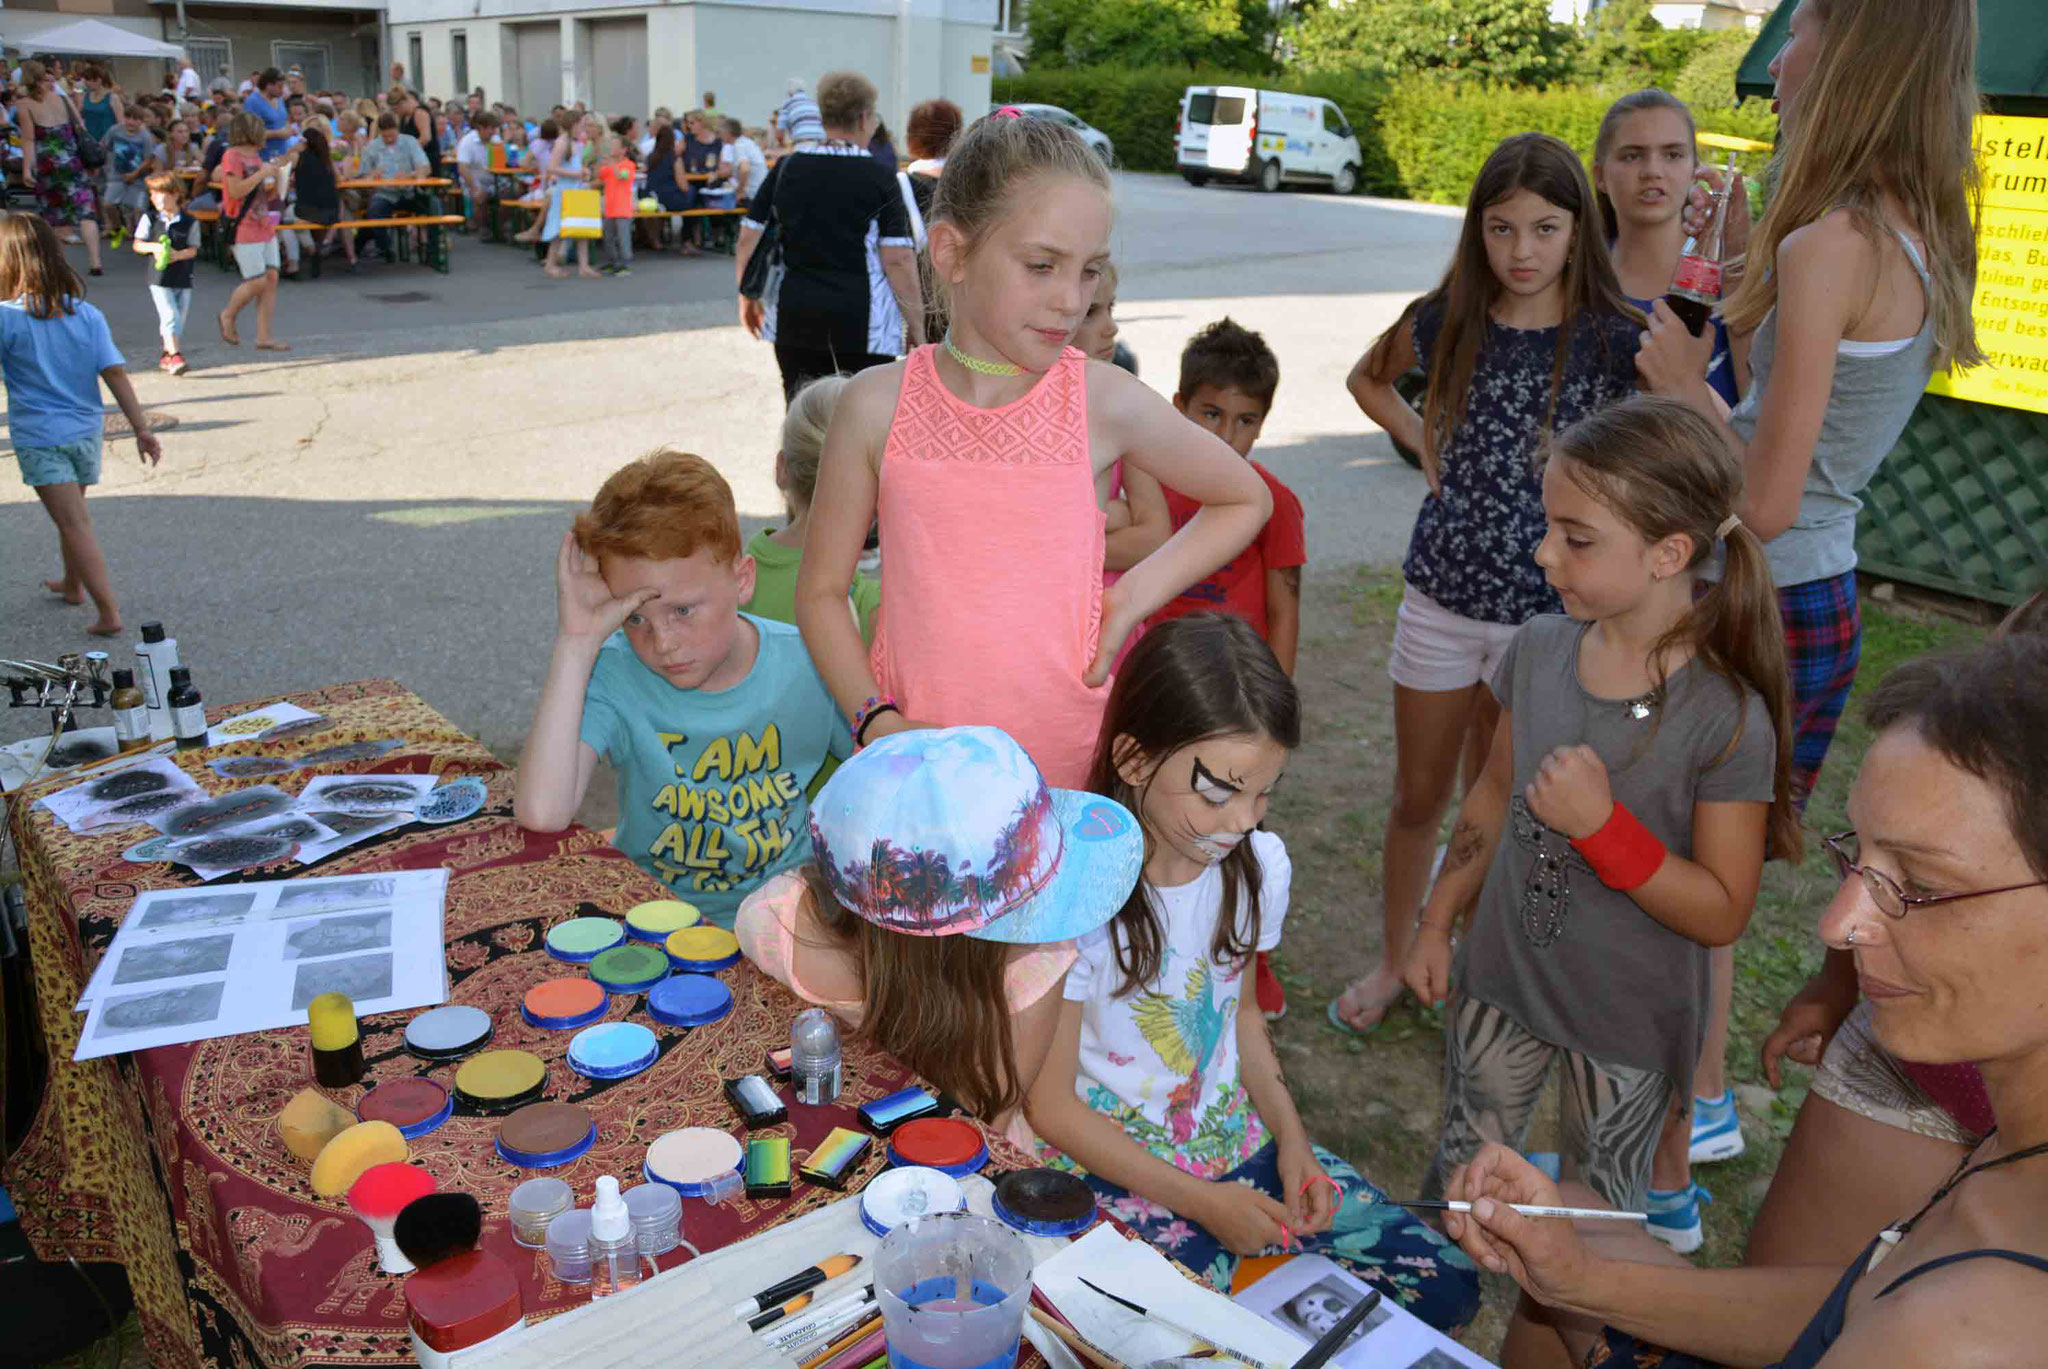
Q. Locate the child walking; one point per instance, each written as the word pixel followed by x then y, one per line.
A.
pixel 54 352
pixel 1528 332
pixel 169 237
pixel 988 461
pixel 615 172
pixel 964 987
pixel 1162 1087
pixel 1638 776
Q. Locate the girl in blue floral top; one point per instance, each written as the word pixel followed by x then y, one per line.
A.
pixel 1161 1087
pixel 1528 333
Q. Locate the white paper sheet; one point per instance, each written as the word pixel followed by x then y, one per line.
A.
pixel 315 794
pixel 17 757
pixel 192 964
pixel 253 724
pixel 1134 1270
pixel 1310 1294
pixel 84 806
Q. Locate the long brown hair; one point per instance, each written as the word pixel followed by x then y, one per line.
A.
pixel 1190 679
pixel 1665 470
pixel 939 1004
pixel 32 264
pixel 1635 102
pixel 1890 106
pixel 1544 165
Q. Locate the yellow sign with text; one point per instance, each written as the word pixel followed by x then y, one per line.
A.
pixel 978 64
pixel 2011 307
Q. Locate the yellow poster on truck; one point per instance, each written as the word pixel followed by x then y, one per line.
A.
pixel 2011 307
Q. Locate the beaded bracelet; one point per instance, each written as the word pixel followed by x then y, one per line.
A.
pixel 868 712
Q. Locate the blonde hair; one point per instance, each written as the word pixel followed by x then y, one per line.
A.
pixel 993 160
pixel 246 130
pixel 367 110
pixel 803 440
pixel 1889 107
pixel 33 74
pixel 843 97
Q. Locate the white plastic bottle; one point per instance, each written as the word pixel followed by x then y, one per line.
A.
pixel 155 656
pixel 614 1248
pixel 815 1057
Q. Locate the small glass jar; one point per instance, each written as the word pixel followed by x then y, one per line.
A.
pixel 533 1206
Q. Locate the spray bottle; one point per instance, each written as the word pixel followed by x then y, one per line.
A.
pixel 614 1248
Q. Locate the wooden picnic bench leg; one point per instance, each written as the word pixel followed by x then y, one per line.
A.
pixel 437 249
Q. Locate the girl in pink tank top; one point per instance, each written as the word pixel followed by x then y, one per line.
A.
pixel 988 459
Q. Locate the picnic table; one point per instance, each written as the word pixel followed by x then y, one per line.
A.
pixel 169 1162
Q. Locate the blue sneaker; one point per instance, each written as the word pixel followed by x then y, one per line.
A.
pixel 1675 1216
pixel 1716 1131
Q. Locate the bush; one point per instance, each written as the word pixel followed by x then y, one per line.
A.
pixel 1137 33
pixel 1438 137
pixel 1139 107
pixel 1708 81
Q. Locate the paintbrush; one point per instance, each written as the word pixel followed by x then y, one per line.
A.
pixel 1074 1342
pixel 1173 1325
pixel 854 1335
pixel 830 1267
pixel 1577 1214
pixel 1333 1340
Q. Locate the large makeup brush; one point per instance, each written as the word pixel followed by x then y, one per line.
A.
pixel 432 1228
pixel 379 1194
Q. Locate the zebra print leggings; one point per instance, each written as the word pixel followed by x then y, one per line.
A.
pixel 1494 1073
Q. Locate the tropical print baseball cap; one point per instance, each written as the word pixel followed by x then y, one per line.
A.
pixel 952 831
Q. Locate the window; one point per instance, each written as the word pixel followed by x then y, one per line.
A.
pixel 1333 122
pixel 1010 15
pixel 416 62
pixel 309 58
pixel 458 53
pixel 211 57
pixel 1207 108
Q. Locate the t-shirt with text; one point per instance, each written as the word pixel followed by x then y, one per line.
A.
pixel 1163 1062
pixel 1239 585
pixel 1579 964
pixel 711 784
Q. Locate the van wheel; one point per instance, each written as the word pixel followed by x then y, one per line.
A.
pixel 1345 182
pixel 1194 178
pixel 1269 176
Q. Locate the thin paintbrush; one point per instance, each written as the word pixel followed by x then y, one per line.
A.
pixel 1324 1350
pixel 1202 1336
pixel 1577 1214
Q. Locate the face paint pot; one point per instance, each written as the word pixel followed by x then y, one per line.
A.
pixel 633 968
pixel 533 1205
pixel 693 1161
pixel 563 1004
pixel 895 1196
pixel 448 1033
pixel 1045 1202
pixel 688 1000
pixel 613 1050
pixel 580 939
pixel 543 1135
pixel 657 922
pixel 500 1081
pixel 702 950
pixel 946 1144
pixel 414 1106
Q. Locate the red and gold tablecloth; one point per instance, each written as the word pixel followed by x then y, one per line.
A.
pixel 169 1162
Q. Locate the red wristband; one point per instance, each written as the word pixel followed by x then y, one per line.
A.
pixel 1624 853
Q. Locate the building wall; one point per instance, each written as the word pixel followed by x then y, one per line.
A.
pixel 351 40
pixel 745 52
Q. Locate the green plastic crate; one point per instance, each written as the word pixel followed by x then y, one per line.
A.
pixel 1961 504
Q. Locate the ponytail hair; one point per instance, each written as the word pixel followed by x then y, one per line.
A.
pixel 1666 471
pixel 1635 102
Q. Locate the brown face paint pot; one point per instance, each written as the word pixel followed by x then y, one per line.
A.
pixel 542 1135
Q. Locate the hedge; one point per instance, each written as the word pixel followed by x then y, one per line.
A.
pixel 1421 139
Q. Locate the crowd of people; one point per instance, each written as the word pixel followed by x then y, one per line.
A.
pixel 1003 812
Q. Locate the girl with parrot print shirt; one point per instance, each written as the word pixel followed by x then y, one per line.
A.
pixel 1161 1087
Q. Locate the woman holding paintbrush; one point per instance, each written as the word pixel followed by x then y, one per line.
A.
pixel 1944 907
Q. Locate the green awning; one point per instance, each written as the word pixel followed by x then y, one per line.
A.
pixel 2012 55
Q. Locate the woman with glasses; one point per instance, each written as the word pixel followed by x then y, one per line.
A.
pixel 1943 915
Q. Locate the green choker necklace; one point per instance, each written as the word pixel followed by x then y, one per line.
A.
pixel 980 367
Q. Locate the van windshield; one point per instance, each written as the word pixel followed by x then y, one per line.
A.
pixel 1207 108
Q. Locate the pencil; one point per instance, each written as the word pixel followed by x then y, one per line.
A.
pixel 1577 1214
pixel 852 1338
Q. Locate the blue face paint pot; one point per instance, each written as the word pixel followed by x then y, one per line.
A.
pixel 612 1050
pixel 689 1000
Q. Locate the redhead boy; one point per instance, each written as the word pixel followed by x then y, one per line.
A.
pixel 715 720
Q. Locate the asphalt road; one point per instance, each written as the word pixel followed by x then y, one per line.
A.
pixel 386 499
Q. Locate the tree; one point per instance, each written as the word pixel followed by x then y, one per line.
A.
pixel 1233 34
pixel 1708 81
pixel 1511 42
pixel 1625 43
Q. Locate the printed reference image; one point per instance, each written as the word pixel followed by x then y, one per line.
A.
pixel 1316 1310
pixel 173 959
pixel 331 897
pixel 362 977
pixel 180 1007
pixel 200 910
pixel 334 935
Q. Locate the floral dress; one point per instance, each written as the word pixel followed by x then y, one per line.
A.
pixel 64 187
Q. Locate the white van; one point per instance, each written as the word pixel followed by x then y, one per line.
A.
pixel 1266 137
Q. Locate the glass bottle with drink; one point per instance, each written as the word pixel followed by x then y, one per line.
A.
pixel 1696 290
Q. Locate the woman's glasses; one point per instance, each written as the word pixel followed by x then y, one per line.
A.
pixel 1885 892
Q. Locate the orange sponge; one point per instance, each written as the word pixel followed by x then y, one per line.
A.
pixel 344 1159
pixel 310 1121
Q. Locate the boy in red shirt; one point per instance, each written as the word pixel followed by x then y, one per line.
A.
pixel 615 172
pixel 1228 376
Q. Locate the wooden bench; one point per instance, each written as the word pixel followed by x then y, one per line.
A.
pixel 729 219
pixel 433 249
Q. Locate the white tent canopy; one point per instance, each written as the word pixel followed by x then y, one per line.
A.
pixel 87 38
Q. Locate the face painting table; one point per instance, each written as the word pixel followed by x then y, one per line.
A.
pixel 169 1161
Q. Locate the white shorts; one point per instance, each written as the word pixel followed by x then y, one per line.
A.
pixel 1437 651
pixel 122 194
pixel 254 258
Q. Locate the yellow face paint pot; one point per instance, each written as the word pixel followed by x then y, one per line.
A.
pixel 656 922
pixel 499 1081
pixel 702 950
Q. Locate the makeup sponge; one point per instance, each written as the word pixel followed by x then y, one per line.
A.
pixel 342 1161
pixel 310 1121
pixel 433 1228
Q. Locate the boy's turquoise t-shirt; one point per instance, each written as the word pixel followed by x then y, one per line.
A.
pixel 711 785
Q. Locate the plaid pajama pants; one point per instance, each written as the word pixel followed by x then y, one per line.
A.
pixel 1823 642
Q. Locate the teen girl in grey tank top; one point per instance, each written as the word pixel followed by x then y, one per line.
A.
pixel 1877 385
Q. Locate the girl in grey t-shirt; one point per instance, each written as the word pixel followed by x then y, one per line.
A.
pixel 1638 778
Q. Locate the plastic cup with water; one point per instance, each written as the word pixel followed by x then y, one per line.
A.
pixel 953 1289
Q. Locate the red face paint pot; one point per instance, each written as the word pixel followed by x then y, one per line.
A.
pixel 414 1106
pixel 947 1144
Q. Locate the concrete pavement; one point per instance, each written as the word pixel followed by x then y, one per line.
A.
pixel 386 499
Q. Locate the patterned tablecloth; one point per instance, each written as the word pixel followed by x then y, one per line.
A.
pixel 169 1162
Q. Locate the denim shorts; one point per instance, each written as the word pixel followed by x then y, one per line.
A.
pixel 70 463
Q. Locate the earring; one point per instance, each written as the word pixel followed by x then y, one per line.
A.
pixel 1850 940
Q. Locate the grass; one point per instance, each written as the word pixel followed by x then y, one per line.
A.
pixel 1376 1103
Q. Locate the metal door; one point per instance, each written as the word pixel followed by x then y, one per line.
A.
pixel 618 67
pixel 539 47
